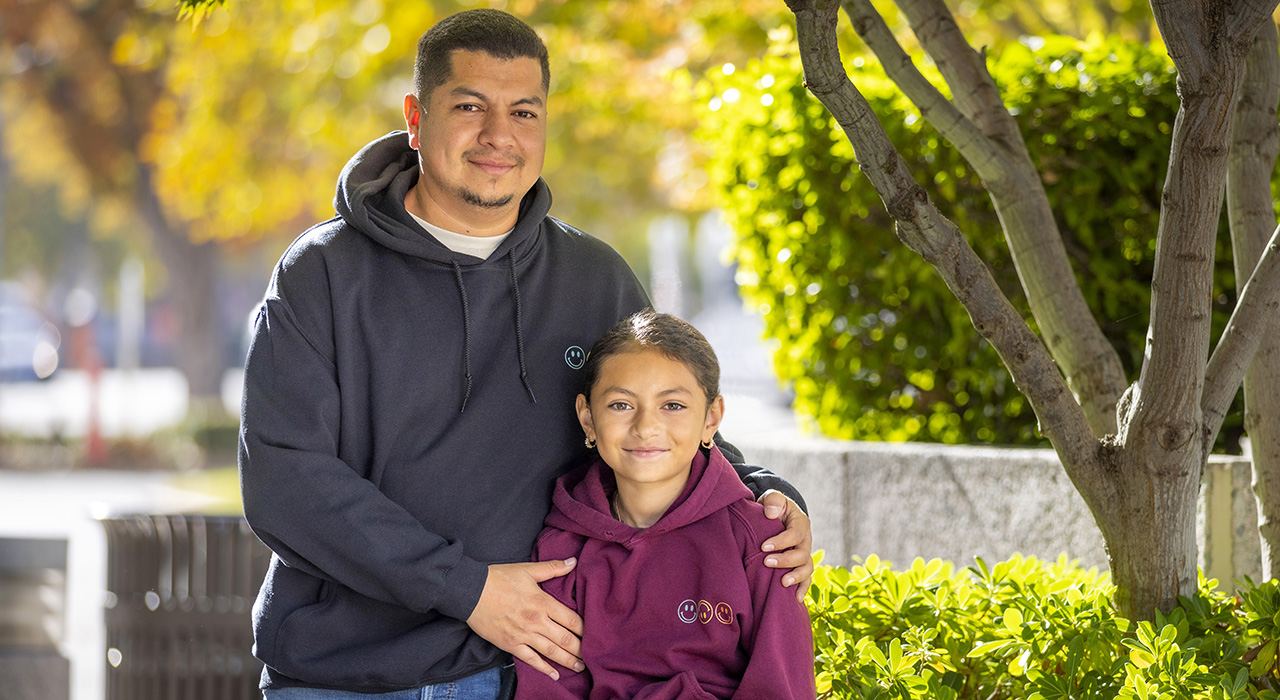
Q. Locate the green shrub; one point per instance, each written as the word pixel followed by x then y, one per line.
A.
pixel 873 342
pixel 1034 630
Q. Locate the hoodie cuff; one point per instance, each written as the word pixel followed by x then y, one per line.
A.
pixel 462 589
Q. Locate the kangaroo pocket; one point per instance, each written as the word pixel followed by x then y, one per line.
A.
pixel 683 686
pixel 344 639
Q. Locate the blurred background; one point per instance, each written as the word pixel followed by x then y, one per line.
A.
pixel 153 169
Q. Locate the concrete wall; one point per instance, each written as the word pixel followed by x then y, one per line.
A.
pixel 902 501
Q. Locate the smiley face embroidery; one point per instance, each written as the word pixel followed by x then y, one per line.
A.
pixel 575 357
pixel 704 612
pixel 688 612
pixel 724 613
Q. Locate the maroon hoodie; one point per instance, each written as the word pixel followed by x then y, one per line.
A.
pixel 683 610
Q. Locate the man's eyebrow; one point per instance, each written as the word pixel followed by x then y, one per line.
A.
pixel 469 92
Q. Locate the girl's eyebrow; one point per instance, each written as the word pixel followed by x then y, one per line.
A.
pixel 628 392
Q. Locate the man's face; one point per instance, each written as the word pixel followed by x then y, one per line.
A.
pixel 481 137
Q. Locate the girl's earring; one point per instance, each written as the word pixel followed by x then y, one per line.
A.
pixel 590 443
pixel 708 444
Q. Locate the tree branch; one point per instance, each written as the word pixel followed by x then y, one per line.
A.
pixel 1069 329
pixel 1248 15
pixel 1254 149
pixel 955 127
pixel 965 70
pixel 922 228
pixel 1253 316
pixel 1170 391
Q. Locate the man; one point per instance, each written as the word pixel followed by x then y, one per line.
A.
pixel 409 395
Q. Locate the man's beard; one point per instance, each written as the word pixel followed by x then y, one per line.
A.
pixel 476 200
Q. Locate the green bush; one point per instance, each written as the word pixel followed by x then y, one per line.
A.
pixel 1034 630
pixel 873 342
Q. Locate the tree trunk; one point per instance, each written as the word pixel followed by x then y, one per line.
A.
pixel 1142 482
pixel 192 272
pixel 1151 532
pixel 1255 146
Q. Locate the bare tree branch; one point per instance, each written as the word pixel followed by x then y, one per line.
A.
pixel 1170 391
pixel 964 69
pixel 937 240
pixel 1073 336
pixel 1255 314
pixel 1254 148
pixel 1248 14
pixel 955 127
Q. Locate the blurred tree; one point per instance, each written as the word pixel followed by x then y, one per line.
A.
pixel 86 79
pixel 259 121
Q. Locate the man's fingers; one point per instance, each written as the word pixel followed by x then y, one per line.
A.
pixel 803 587
pixel 570 621
pixel 553 650
pixel 517 616
pixel 789 559
pixel 775 504
pixel 544 570
pixel 529 656
pixel 784 540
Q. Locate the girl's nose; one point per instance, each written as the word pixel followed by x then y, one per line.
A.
pixel 646 423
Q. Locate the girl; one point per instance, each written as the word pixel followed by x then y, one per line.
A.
pixel 675 598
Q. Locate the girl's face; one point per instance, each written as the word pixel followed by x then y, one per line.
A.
pixel 648 415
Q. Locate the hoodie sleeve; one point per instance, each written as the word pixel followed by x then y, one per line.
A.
pixel 312 509
pixel 532 684
pixel 780 642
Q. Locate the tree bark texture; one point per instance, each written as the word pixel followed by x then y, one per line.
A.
pixel 1139 475
pixel 1254 149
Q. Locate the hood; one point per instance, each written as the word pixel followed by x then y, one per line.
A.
pixel 581 499
pixel 371 192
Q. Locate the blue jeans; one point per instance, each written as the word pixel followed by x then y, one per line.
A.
pixel 481 686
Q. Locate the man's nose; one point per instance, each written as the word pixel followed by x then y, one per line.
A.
pixel 497 129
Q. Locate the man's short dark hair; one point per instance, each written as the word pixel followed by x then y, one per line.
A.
pixel 492 31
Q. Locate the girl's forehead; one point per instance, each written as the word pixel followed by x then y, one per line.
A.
pixel 642 363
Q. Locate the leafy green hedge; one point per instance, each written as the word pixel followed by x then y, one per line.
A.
pixel 1029 629
pixel 873 342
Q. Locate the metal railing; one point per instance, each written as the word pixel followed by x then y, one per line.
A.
pixel 180 589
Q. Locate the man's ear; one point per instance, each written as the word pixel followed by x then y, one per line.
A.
pixel 412 115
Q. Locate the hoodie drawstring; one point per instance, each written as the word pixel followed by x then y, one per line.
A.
pixel 515 291
pixel 466 336
pixel 466 333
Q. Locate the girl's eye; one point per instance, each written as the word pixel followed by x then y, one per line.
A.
pixel 619 406
pixel 673 406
